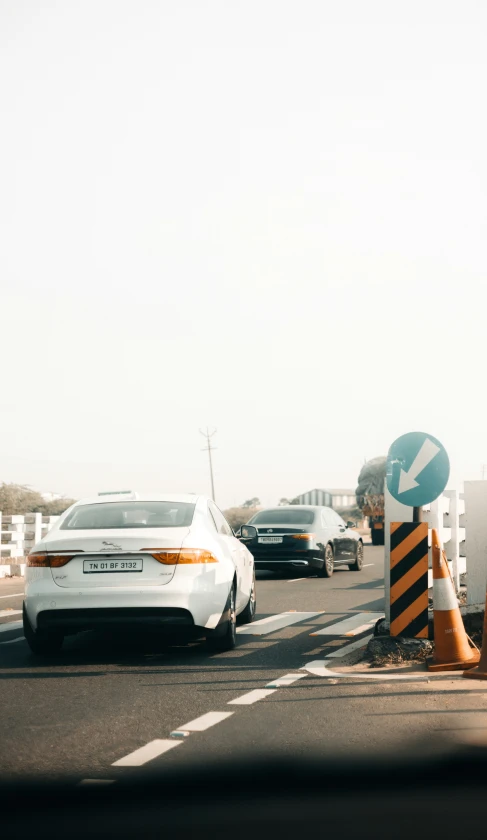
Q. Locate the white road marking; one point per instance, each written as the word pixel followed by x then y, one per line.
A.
pixel 141 756
pixel 252 696
pixel 12 641
pixel 13 595
pixel 350 626
pixel 3 613
pixel 295 580
pixel 349 648
pixel 204 722
pixel 288 679
pixel 367 564
pixel 10 625
pixel 357 630
pixel 319 668
pixel 276 622
pixel 95 782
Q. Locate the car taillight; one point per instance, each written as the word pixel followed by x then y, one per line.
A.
pixel 167 556
pixel 196 555
pixel 46 560
pixel 38 558
pixel 303 536
pixel 172 556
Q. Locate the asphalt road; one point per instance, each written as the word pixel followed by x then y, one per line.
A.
pixel 105 700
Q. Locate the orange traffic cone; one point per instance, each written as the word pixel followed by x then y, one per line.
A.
pixel 452 650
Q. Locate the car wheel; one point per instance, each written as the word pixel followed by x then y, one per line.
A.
pixel 359 559
pixel 224 637
pixel 41 642
pixel 328 563
pixel 247 615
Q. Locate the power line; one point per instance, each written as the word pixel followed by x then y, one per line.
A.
pixel 209 448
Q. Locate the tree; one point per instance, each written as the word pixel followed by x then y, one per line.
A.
pixel 284 501
pixel 57 506
pixel 238 516
pixel 251 503
pixel 352 514
pixel 18 499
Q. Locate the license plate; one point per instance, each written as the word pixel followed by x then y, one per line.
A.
pixel 270 539
pixel 93 567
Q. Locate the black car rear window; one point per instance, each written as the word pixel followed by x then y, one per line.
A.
pixel 283 517
pixel 107 515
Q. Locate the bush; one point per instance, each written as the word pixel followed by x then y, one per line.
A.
pixel 18 499
pixel 238 516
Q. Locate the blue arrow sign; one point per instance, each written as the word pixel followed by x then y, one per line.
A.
pixel 418 469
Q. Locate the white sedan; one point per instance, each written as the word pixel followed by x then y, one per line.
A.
pixel 122 558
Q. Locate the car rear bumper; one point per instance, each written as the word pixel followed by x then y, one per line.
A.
pixel 98 618
pixel 186 603
pixel 281 560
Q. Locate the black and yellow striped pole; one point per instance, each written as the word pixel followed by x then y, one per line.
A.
pixel 409 579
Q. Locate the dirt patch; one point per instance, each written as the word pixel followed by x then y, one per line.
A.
pixel 388 650
pixel 474 626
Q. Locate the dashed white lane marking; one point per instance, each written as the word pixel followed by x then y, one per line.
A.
pixel 367 564
pixel 13 595
pixel 204 722
pixel 95 782
pixel 10 625
pixel 295 580
pixel 12 641
pixel 350 626
pixel 288 679
pixel 275 622
pixel 252 696
pixel 9 612
pixel 349 648
pixel 151 750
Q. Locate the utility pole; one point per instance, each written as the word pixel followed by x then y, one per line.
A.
pixel 209 448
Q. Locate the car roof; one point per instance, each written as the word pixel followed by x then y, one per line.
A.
pixel 134 496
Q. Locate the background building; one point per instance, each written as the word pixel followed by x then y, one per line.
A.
pixel 330 498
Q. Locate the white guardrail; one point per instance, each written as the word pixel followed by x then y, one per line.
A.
pixel 19 533
pixel 461 521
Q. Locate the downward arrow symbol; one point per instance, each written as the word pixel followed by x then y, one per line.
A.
pixel 407 480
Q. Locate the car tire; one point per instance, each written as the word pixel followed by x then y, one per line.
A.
pixel 326 570
pixel 359 559
pixel 224 637
pixel 248 614
pixel 41 642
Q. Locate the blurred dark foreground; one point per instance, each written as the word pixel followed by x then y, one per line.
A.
pixel 415 798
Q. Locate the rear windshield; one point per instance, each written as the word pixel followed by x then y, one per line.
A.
pixel 283 517
pixel 129 515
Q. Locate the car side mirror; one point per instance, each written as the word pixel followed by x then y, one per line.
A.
pixel 350 524
pixel 248 532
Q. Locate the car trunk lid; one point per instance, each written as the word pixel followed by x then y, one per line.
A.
pixel 115 559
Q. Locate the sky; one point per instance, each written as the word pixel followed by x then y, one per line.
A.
pixel 266 217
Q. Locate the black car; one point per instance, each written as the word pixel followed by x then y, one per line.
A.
pixel 305 537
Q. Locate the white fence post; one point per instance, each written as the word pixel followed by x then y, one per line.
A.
pixel 454 524
pixel 475 494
